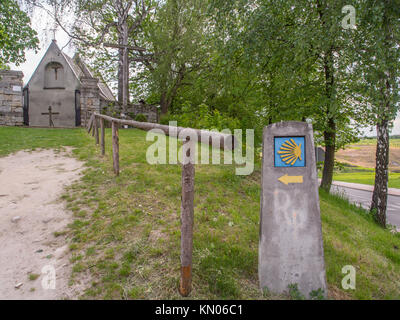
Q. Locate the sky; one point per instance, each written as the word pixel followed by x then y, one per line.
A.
pixel 43 24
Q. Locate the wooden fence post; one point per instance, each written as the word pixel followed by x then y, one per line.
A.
pixel 94 125
pixel 115 142
pixel 90 124
pixel 187 219
pixel 96 129
pixel 102 139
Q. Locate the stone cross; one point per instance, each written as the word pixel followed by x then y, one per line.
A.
pixel 50 114
pixel 291 249
pixel 55 70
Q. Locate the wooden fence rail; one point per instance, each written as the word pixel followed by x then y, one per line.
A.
pixel 188 173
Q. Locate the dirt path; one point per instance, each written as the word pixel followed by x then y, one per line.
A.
pixel 30 212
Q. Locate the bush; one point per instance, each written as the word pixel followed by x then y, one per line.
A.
pixel 201 117
pixel 141 118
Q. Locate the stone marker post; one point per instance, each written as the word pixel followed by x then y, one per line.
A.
pixel 291 249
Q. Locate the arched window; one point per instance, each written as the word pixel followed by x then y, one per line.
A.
pixel 54 76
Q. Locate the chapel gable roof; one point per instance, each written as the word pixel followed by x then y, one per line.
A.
pixel 80 69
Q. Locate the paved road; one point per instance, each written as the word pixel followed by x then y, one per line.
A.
pixel 364 197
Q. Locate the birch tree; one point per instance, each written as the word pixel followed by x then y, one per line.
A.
pixel 378 69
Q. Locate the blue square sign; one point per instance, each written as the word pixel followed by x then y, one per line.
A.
pixel 289 152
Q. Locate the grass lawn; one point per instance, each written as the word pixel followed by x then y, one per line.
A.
pixel 125 236
pixel 364 176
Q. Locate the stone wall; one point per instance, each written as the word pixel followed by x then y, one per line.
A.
pixel 11 102
pixel 150 111
pixel 90 98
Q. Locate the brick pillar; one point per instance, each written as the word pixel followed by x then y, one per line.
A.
pixel 11 110
pixel 90 98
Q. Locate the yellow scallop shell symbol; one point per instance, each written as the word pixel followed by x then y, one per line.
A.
pixel 290 152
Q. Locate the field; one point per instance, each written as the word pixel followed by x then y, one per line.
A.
pixel 364 176
pixel 359 163
pixel 125 237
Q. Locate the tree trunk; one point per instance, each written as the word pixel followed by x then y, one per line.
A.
pixel 167 99
pixel 330 130
pixel 125 69
pixel 379 196
pixel 330 143
pixel 164 102
pixel 120 71
pixel 123 64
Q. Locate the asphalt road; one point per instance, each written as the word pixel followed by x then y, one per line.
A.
pixel 364 198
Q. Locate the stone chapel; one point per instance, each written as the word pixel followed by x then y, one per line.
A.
pixel 64 87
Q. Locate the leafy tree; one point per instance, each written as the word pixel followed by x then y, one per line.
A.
pixel 16 34
pixel 302 55
pixel 178 38
pixel 378 72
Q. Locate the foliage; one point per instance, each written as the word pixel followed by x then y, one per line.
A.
pixel 201 117
pixel 141 118
pixel 294 292
pixel 16 34
pixel 378 67
pixel 178 38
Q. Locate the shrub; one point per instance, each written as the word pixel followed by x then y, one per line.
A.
pixel 201 117
pixel 141 118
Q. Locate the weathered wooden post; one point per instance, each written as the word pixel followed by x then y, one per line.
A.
pixel 96 130
pixel 102 137
pixel 90 124
pixel 187 219
pixel 291 250
pixel 115 142
pixel 94 125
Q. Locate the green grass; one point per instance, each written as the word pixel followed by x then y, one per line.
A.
pixel 125 237
pixel 14 139
pixel 364 176
pixel 33 276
